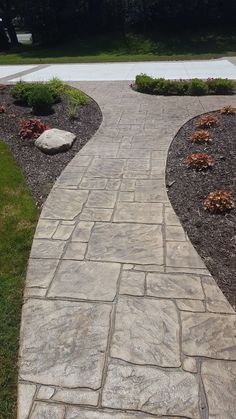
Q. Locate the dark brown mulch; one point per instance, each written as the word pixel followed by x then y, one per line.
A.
pixel 41 170
pixel 213 235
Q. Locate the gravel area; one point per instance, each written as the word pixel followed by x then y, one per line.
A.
pixel 213 235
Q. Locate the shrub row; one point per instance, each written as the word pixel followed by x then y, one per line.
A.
pixel 194 87
pixel 41 96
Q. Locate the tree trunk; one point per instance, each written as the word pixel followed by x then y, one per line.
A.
pixel 11 31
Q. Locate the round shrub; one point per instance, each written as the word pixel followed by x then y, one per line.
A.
pixel 41 99
pixel 197 87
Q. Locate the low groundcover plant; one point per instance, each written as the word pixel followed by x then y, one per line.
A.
pixel 208 121
pixel 201 136
pixel 32 128
pixel 199 161
pixel 219 201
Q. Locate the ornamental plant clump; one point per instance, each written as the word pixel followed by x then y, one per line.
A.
pixel 199 161
pixel 207 121
pixel 2 109
pixel 32 128
pixel 201 136
pixel 219 201
pixel 228 110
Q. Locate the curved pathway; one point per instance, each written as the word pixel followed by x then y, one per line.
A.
pixel 121 318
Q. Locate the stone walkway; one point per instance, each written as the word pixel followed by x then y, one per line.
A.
pixel 121 318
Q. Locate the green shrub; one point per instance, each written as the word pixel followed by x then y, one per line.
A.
pixel 220 86
pixel 194 87
pixel 146 84
pixel 41 99
pixel 21 91
pixel 57 89
pixel 197 87
pixel 76 97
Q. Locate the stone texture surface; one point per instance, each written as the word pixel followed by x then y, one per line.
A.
pixel 219 379
pixel 121 319
pixel 132 283
pixel 55 140
pixel 135 212
pixel 174 286
pixel 86 280
pixel 64 343
pixel 146 332
pixel 126 242
pixel 151 390
pixel 64 205
pixel 210 335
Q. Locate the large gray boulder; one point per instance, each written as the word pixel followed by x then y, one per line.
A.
pixel 55 140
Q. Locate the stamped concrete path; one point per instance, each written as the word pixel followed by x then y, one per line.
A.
pixel 121 319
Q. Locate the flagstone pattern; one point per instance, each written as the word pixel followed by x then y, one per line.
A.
pixel 121 318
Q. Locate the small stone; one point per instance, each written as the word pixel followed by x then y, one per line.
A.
pixel 40 272
pixel 215 300
pixel 174 286
pixel 55 140
pixel 63 232
pixel 82 231
pixel 45 229
pixel 132 283
pixel 45 393
pixel 47 411
pixel 135 212
pixel 75 251
pixel 47 249
pixel 190 365
pixel 78 396
pixel 219 379
pixel 26 394
pixel 191 305
pixel 64 204
pixel 101 199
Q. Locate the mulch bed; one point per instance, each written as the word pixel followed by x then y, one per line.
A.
pixel 42 170
pixel 213 235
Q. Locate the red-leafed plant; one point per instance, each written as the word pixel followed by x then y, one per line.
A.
pixel 201 136
pixel 32 128
pixel 228 110
pixel 207 121
pixel 199 161
pixel 219 201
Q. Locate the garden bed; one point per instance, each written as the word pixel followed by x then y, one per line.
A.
pixel 212 234
pixel 42 170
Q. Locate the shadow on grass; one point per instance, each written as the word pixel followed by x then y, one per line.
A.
pixel 200 43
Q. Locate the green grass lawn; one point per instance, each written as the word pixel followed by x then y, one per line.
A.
pixel 195 44
pixel 18 217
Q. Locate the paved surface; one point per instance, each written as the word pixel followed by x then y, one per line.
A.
pixel 121 318
pixel 123 71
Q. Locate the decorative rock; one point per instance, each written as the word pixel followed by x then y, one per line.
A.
pixel 55 140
